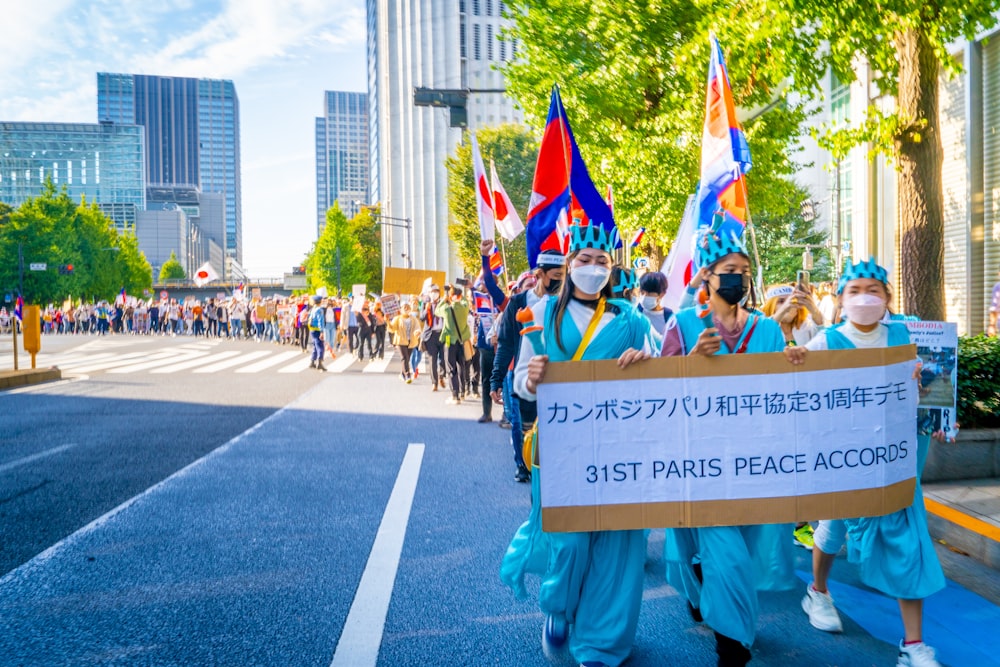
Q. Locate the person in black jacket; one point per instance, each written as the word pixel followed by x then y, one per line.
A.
pixel 548 276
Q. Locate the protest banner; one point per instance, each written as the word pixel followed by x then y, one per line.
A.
pixel 727 440
pixel 409 281
pixel 937 346
pixel 390 305
pixel 358 293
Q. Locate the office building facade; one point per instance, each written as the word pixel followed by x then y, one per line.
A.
pixel 102 162
pixel 342 159
pixel 442 46
pixel 192 130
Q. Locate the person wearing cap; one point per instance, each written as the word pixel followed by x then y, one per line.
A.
pixel 317 320
pixel 550 267
pixel 715 567
pixel 591 589
pixel 794 311
pixel 895 553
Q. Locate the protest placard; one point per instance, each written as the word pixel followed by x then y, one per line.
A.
pixel 390 305
pixel 727 440
pixel 358 293
pixel 937 346
pixel 409 281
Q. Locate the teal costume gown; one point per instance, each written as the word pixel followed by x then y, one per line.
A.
pixel 593 579
pixel 894 553
pixel 736 561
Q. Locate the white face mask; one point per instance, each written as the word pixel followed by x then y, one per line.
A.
pixel 591 278
pixel 864 309
pixel 649 302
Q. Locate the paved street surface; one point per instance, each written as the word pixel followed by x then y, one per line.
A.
pixel 299 518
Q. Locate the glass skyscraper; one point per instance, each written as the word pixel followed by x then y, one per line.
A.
pixel 342 160
pixel 102 162
pixel 192 135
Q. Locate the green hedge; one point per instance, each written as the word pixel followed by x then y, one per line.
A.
pixel 979 382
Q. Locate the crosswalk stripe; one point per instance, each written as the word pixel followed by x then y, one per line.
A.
pixel 378 366
pixel 342 363
pixel 267 363
pixel 297 366
pixel 229 363
pixel 121 360
pixel 184 365
pixel 146 365
pixel 82 361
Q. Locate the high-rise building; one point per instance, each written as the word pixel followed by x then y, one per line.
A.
pixel 341 154
pixel 101 161
pixel 441 46
pixel 192 136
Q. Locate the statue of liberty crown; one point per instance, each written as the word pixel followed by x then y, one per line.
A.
pixel 592 236
pixel 869 268
pixel 626 280
pixel 714 247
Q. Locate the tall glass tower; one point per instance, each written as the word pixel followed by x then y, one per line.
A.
pixel 192 135
pixel 342 166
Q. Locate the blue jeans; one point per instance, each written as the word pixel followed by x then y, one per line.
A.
pixel 514 417
pixel 416 356
pixel 317 340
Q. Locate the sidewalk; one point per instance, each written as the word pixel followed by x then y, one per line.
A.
pixel 965 515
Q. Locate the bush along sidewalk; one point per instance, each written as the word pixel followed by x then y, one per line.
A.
pixel 979 382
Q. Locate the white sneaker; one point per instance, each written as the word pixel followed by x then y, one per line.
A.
pixel 916 655
pixel 822 614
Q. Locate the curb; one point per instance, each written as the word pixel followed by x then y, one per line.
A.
pixel 967 532
pixel 20 378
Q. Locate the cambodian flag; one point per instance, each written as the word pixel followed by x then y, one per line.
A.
pixel 19 308
pixel 121 297
pixel 496 261
pixel 725 155
pixel 637 239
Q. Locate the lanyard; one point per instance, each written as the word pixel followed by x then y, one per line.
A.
pixel 746 336
pixel 591 328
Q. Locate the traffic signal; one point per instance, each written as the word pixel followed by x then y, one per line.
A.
pixel 66 269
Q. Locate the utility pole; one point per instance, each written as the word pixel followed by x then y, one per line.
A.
pixel 340 293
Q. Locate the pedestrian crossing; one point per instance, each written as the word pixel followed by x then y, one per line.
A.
pixel 138 356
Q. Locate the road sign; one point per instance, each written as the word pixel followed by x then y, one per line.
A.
pixel 38 266
pixel 164 295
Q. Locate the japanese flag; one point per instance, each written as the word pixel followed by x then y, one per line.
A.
pixel 507 219
pixel 484 197
pixel 205 274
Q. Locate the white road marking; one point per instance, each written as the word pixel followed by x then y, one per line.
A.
pixel 117 360
pixel 184 365
pixel 80 361
pixel 342 363
pixel 173 358
pixel 362 635
pixel 34 457
pixel 297 366
pixel 229 363
pixel 267 363
pixel 379 365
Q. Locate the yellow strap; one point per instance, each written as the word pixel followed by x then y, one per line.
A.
pixel 591 328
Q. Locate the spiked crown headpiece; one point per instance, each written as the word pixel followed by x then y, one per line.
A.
pixel 714 247
pixel 592 236
pixel 626 281
pixel 869 268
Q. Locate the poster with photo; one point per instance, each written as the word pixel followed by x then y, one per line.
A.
pixel 937 346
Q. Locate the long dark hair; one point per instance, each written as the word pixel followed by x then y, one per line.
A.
pixel 566 293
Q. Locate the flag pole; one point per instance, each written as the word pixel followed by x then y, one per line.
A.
pixel 753 234
pixel 503 254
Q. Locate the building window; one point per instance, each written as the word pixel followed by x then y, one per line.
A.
pixel 503 50
pixel 489 7
pixel 461 40
pixel 840 101
pixel 489 42
pixel 476 52
pixel 475 7
pixel 503 8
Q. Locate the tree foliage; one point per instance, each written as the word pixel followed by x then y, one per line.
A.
pixel 50 229
pixel 359 259
pixel 633 80
pixel 172 269
pixel 514 151
pixel 780 234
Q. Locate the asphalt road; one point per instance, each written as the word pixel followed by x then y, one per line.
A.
pixel 227 519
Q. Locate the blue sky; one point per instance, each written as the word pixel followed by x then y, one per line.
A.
pixel 281 55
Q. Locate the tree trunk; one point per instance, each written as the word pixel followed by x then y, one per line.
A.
pixel 921 208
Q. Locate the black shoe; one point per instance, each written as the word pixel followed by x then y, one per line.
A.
pixel 321 367
pixel 695 613
pixel 312 364
pixel 485 419
pixel 504 424
pixel 731 652
pixel 522 475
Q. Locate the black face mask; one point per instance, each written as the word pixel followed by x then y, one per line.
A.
pixel 554 286
pixel 733 287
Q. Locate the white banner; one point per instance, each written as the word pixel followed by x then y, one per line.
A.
pixel 727 437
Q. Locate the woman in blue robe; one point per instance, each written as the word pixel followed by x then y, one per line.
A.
pixel 720 569
pixel 591 588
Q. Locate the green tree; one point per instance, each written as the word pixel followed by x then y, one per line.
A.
pixel 906 43
pixel 335 247
pixel 514 150
pixel 778 234
pixel 172 269
pixel 368 235
pixel 632 76
pixel 136 272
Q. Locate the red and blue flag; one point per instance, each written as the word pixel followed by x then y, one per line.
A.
pixel 496 261
pixel 19 309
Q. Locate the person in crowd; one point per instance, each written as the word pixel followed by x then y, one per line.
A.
pixel 652 288
pixel 715 566
pixel 624 284
pixel 431 325
pixel 484 324
pixel 330 313
pixel 315 325
pixel 454 314
pixel 795 312
pixel 366 329
pixel 154 317
pixel 546 279
pixel 237 313
pixel 591 588
pixel 405 330
pixel 894 552
pixel 380 329
pixel 197 315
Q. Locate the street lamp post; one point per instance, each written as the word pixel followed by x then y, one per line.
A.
pixel 405 223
